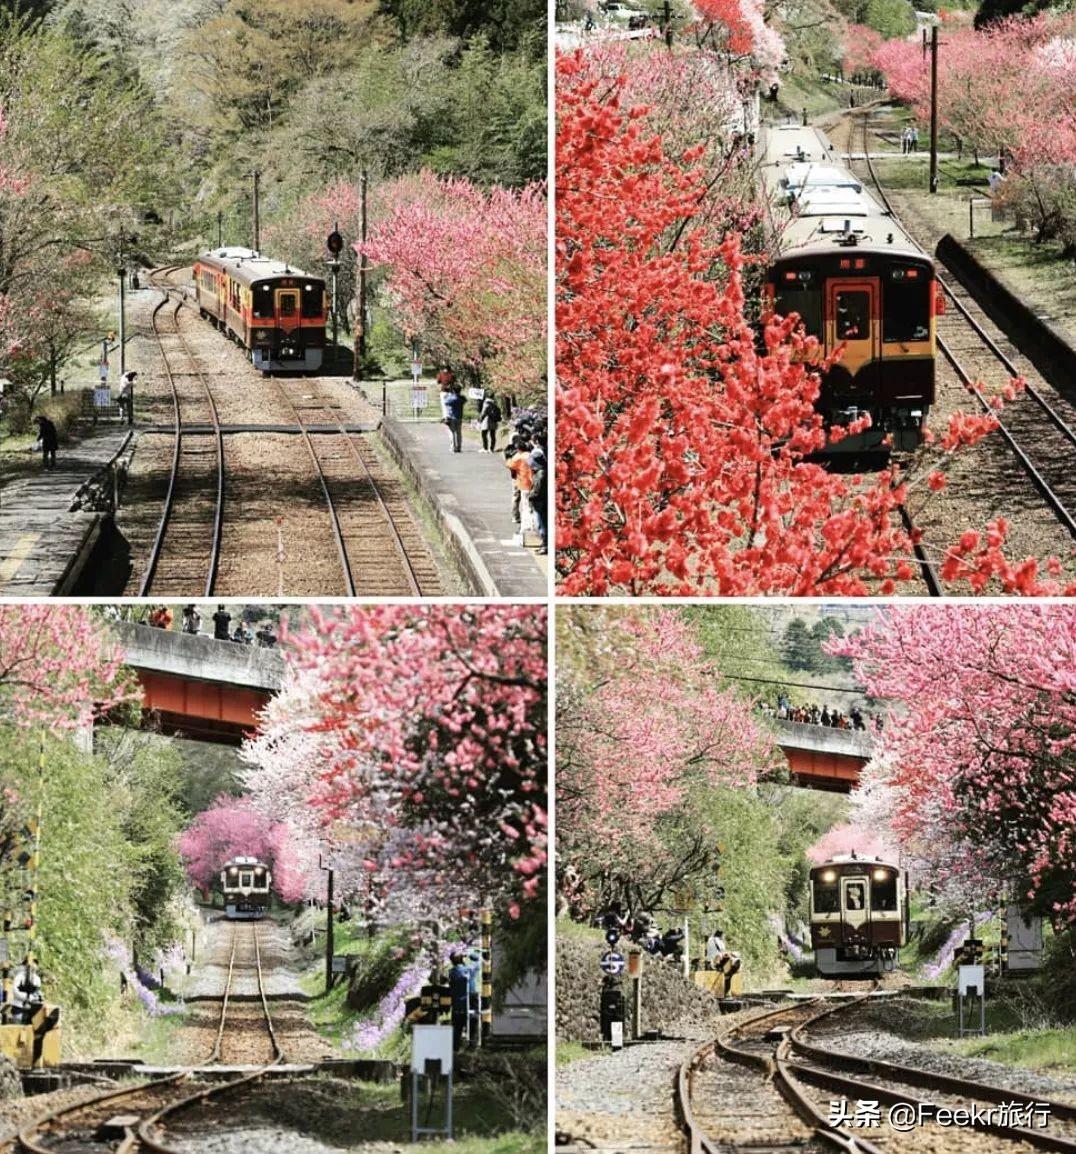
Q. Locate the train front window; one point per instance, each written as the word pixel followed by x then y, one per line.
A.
pixel 884 891
pixel 245 880
pixel 906 309
pixel 855 896
pixel 262 306
pixel 853 315
pixel 807 302
pixel 287 304
pixel 826 897
pixel 313 296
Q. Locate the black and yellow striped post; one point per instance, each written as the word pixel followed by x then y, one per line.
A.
pixel 485 1000
pixel 1003 947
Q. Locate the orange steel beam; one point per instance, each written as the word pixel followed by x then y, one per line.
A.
pixel 831 771
pixel 204 709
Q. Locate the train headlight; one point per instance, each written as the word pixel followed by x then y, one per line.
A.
pixel 259 872
pixel 829 876
pixel 233 873
pixel 880 875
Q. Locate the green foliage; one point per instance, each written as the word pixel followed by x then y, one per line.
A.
pixel 802 646
pixel 108 865
pixel 507 23
pixel 519 946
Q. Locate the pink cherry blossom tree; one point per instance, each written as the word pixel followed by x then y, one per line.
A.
pixel 637 733
pixel 232 827
pixel 59 667
pixel 413 740
pixel 465 269
pixel 980 755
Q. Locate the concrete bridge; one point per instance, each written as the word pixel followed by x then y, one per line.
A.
pixel 198 687
pixel 820 757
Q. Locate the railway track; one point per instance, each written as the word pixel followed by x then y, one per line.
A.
pixel 379 550
pixel 1037 429
pixel 749 1091
pixel 134 1118
pixel 367 534
pixel 183 557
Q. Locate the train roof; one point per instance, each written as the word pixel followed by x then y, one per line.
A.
pixel 853 860
pixel 248 266
pixel 830 209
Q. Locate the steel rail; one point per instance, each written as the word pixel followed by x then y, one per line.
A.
pixel 148 1131
pixel 1054 502
pixel 341 546
pixel 409 571
pixel 169 501
pixel 27 1138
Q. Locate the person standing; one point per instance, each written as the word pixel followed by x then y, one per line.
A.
pixel 489 417
pixel 539 493
pixel 192 620
pixel 454 403
pixel 49 441
pixel 221 620
pixel 518 464
pixel 464 1017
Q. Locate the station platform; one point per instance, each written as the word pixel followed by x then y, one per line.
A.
pixel 43 541
pixel 470 494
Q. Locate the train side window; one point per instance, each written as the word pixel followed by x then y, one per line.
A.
pixel 806 302
pixel 906 310
pixel 853 316
pixel 884 893
pixel 826 897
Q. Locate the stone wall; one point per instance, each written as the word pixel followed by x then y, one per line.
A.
pixel 670 1002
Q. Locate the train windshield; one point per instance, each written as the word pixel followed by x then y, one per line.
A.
pixel 262 297
pixel 884 891
pixel 795 298
pixel 826 897
pixel 313 294
pixel 245 880
pixel 906 308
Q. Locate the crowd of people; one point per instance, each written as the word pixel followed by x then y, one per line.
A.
pixel 834 718
pixel 524 454
pixel 264 637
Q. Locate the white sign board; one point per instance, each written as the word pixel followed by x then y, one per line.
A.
pixel 476 394
pixel 431 1044
pixel 420 398
pixel 971 980
pixel 1025 940
pixel 616 1035
pixel 102 398
pixel 416 369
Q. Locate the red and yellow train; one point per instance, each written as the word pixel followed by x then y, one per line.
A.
pixel 859 283
pixel 275 312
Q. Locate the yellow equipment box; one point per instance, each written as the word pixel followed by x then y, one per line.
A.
pixel 36 1045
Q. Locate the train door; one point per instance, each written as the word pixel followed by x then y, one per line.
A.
pixel 287 308
pixel 852 310
pixel 855 901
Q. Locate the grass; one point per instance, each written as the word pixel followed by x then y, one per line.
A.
pixel 571 1052
pixel 1052 1050
pixel 810 92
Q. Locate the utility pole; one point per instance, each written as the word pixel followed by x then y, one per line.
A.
pixel 257 224
pixel 220 228
pixel 360 327
pixel 121 272
pixel 934 109
pixel 328 926
pixel 666 19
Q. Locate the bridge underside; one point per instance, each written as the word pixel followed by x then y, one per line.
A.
pixel 823 769
pixel 200 710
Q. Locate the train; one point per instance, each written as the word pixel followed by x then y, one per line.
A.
pixel 856 279
pixel 859 916
pixel 245 882
pixel 276 313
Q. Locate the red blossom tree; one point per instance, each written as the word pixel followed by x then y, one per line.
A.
pixel 980 758
pixel 232 827
pixel 58 667
pixel 417 735
pixel 466 269
pixel 682 447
